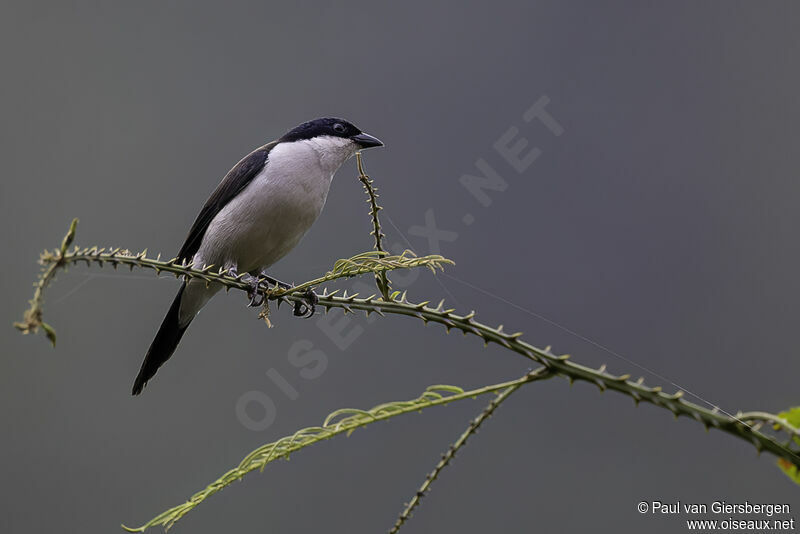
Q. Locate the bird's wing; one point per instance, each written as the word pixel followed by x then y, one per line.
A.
pixel 234 182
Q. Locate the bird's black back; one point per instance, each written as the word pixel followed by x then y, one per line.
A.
pixel 234 182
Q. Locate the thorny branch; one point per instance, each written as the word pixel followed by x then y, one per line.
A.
pixel 538 374
pixel 783 442
pixel 339 422
pixel 747 427
pixel 380 279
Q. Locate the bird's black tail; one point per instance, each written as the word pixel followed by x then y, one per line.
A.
pixel 164 344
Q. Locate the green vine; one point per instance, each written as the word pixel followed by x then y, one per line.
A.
pixel 380 279
pixel 745 425
pixel 366 262
pixel 777 434
pixel 473 426
pixel 343 421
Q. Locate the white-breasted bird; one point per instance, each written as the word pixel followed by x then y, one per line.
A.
pixel 257 214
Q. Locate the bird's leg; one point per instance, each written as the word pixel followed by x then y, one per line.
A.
pixel 254 283
pixel 304 307
pixel 275 281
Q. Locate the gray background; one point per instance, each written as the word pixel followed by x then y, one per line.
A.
pixel 661 224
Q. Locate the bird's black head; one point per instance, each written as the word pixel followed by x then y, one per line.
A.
pixel 333 127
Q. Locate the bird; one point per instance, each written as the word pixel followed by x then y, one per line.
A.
pixel 257 214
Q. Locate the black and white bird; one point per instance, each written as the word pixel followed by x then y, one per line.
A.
pixel 257 214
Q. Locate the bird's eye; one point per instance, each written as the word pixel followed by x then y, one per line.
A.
pixel 338 127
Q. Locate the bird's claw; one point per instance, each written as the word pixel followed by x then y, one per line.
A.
pixel 307 305
pixel 256 299
pixel 253 290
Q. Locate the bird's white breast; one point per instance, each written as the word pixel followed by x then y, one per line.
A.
pixel 270 216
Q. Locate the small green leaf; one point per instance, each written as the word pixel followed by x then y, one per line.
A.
pixel 790 469
pixel 70 237
pixel 792 417
pixel 49 332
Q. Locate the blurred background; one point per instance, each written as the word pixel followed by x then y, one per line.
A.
pixel 660 223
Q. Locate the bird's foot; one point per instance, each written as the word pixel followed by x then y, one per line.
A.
pixel 253 291
pixel 305 307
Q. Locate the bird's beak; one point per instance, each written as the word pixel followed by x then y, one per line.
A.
pixel 366 141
